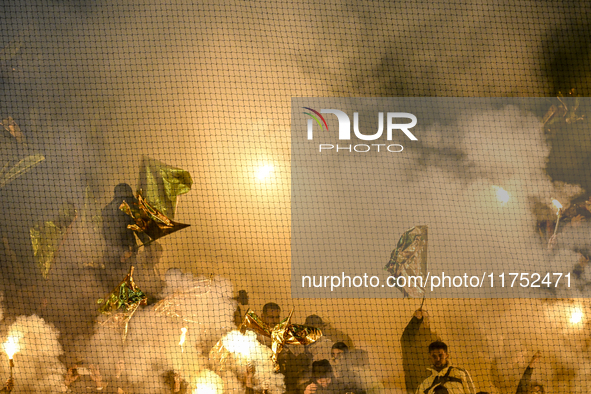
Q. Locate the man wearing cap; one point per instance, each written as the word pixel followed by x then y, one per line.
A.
pixel 445 378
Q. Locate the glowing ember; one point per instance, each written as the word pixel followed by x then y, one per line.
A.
pixel 11 346
pixel 264 171
pixel 557 204
pixel 502 194
pixel 183 336
pixel 576 316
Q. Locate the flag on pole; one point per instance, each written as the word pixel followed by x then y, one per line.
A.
pixel 161 184
pixel 409 260
pixel 149 220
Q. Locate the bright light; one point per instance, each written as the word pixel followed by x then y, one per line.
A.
pixel 264 171
pixel 205 388
pixel 207 382
pixel 502 194
pixel 11 346
pixel 557 204
pixel 576 316
pixel 183 335
pixel 243 345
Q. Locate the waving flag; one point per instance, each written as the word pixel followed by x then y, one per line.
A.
pixel 409 259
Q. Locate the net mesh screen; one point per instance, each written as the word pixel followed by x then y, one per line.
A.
pixel 190 102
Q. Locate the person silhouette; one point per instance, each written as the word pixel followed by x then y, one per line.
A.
pixel 120 241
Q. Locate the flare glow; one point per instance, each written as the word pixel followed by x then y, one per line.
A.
pixel 502 194
pixel 183 337
pixel 11 346
pixel 576 316
pixel 264 171
pixel 207 382
pixel 243 345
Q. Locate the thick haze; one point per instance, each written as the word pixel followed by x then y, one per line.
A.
pixel 207 87
pixel 349 215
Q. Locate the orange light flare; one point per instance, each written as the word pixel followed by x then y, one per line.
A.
pixel 207 382
pixel 11 346
pixel 576 316
pixel 242 345
pixel 264 172
pixel 558 206
pixel 183 337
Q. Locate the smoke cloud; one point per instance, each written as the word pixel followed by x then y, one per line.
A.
pixel 206 87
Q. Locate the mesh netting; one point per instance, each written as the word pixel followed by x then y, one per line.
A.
pixel 189 103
